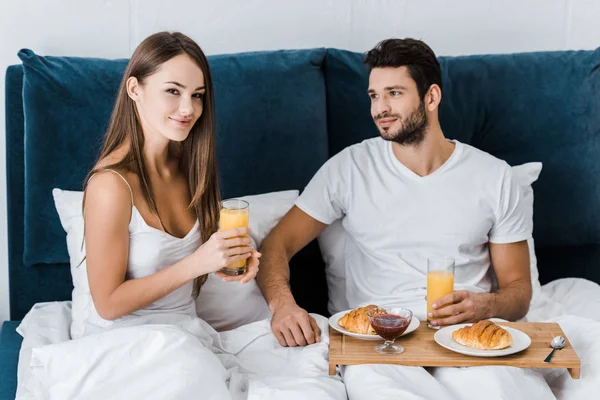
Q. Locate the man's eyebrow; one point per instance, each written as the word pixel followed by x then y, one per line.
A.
pixel 388 88
pixel 183 86
pixel 395 87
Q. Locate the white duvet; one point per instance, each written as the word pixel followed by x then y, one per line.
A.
pixel 175 357
pixel 179 357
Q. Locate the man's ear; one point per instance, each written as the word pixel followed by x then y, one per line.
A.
pixel 133 88
pixel 433 98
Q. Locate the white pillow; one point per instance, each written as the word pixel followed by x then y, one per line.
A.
pixel 224 305
pixel 333 240
pixel 68 206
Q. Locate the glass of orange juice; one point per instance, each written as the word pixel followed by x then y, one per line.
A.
pixel 440 281
pixel 234 214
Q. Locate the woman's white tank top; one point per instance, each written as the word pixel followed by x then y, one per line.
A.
pixel 150 250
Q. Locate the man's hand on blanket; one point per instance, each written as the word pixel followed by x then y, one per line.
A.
pixel 461 306
pixel 293 326
pixel 251 270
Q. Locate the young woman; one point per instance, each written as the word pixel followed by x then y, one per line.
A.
pixel 151 202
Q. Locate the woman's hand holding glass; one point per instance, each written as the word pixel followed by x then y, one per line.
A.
pixel 225 248
pixel 251 270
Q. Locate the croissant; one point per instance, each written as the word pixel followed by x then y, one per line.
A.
pixel 484 335
pixel 357 320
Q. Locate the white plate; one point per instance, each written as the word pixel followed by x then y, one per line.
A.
pixel 443 337
pixel 333 322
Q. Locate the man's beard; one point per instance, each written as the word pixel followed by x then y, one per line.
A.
pixel 412 131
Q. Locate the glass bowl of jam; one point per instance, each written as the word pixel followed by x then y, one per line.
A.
pixel 389 323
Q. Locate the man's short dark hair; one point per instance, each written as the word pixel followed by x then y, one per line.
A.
pixel 418 58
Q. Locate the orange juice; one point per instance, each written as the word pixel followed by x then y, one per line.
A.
pixel 439 284
pixel 230 219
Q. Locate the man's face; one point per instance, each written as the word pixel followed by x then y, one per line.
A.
pixel 396 107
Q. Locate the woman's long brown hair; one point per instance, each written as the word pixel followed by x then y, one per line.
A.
pixel 198 159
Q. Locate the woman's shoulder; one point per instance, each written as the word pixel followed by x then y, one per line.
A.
pixel 107 192
pixel 110 187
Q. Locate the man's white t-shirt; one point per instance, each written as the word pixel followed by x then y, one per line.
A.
pixel 396 219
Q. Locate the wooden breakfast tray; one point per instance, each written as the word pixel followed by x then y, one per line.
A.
pixel 421 350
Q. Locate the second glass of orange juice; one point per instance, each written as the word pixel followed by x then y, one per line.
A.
pixel 234 214
pixel 440 281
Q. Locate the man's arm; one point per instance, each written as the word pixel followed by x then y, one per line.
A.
pixel 511 302
pixel 512 266
pixel 291 324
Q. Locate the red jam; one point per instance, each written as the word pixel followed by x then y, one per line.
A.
pixel 390 326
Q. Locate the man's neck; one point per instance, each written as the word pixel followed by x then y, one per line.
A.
pixel 426 157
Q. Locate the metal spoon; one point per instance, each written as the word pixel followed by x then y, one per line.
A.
pixel 557 343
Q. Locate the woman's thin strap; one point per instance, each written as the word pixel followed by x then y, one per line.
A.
pixel 122 177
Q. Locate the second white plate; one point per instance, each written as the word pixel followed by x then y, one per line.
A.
pixel 443 337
